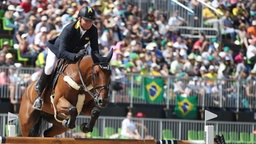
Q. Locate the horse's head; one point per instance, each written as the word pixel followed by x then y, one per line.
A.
pixel 101 78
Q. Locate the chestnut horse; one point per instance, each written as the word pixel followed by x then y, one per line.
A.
pixel 81 88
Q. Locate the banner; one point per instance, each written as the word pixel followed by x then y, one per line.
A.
pixel 154 89
pixel 186 107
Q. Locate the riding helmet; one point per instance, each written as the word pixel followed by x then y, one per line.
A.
pixel 87 12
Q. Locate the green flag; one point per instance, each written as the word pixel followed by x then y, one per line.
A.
pixel 154 89
pixel 186 107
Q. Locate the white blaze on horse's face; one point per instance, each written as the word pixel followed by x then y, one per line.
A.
pixel 100 82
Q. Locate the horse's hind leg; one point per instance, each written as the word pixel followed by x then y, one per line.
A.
pixel 28 117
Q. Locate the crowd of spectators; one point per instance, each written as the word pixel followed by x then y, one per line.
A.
pixel 144 42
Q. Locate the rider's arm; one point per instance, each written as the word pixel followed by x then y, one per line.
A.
pixel 94 40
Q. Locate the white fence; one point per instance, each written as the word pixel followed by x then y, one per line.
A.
pixel 110 127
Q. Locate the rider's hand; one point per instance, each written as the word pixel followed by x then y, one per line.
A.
pixel 80 54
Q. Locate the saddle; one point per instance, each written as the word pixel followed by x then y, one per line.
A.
pixel 60 67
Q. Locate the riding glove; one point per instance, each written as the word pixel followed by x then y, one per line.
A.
pixel 80 54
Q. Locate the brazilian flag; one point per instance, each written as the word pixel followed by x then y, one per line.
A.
pixel 186 107
pixel 154 89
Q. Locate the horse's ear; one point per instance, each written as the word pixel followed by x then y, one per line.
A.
pixel 95 57
pixel 109 56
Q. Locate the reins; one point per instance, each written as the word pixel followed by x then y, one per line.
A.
pixel 84 87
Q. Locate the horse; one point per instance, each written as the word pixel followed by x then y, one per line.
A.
pixel 80 88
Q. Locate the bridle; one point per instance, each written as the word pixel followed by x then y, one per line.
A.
pixel 98 88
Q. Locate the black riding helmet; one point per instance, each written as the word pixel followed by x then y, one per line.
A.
pixel 87 12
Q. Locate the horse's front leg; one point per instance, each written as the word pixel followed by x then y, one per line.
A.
pixel 88 127
pixel 65 108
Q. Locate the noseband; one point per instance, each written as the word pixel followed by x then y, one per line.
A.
pixel 98 88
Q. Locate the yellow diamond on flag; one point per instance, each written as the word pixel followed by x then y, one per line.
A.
pixel 153 90
pixel 185 106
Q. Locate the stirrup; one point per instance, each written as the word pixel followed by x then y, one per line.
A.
pixel 38 103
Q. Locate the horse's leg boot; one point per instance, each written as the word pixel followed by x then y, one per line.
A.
pixel 40 88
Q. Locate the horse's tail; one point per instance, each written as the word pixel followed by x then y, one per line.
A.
pixel 38 128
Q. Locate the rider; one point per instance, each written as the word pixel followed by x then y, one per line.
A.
pixel 69 45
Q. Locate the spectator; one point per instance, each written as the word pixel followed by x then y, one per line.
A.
pixel 141 116
pixel 128 10
pixel 189 64
pixel 177 65
pixel 30 37
pixel 250 93
pixel 4 81
pixel 180 86
pixel 211 76
pixel 26 5
pixel 252 75
pixel 129 128
pixel 19 15
pixel 67 17
pixel 9 59
pixel 14 78
pixel 251 31
pixel 203 71
pixel 242 38
pixel 32 22
pixel 181 48
pixel 229 68
pixel 210 17
pixel 21 30
pixel 176 20
pixel 227 26
pixel 42 24
pixel 9 17
pixel 2 59
pixel 164 70
pixel 58 24
pixel 40 40
pixel 150 16
pixel 239 9
pixel 251 53
pixel 200 42
pixel 241 65
pixel 155 71
pixel 41 58
pixel 161 23
pixel 168 52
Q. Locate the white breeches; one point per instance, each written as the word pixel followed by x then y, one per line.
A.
pixel 50 62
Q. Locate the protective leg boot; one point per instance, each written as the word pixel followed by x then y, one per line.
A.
pixel 40 88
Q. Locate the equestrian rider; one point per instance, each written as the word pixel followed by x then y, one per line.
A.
pixel 69 45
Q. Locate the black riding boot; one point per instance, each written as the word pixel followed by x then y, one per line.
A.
pixel 40 85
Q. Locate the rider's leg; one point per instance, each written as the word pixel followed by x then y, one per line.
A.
pixel 44 79
pixel 41 83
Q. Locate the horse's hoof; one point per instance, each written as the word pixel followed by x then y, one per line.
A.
pixel 84 128
pixel 66 122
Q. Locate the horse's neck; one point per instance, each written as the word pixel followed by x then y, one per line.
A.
pixel 85 68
